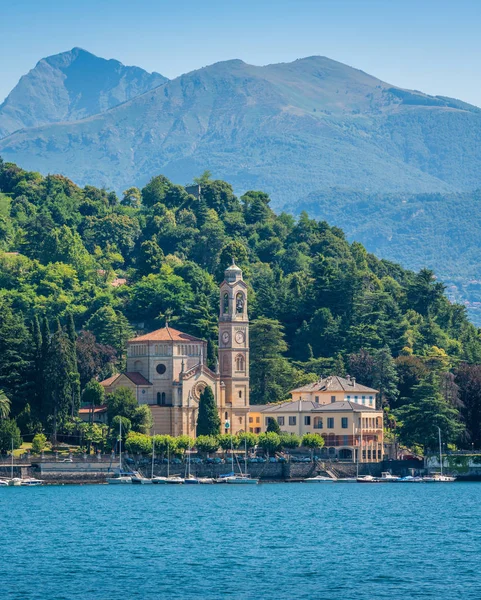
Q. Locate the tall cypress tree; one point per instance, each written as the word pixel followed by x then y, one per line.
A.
pixel 38 381
pixel 75 377
pixel 208 420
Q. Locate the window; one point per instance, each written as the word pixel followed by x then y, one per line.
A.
pixel 318 424
pixel 333 398
pixel 267 421
pixel 370 401
pixel 258 419
pixel 163 398
pixel 239 303
pixel 240 394
pixel 344 422
pixel 161 369
pixel 158 397
pixel 355 398
pixel 292 420
pixel 226 415
pixel 317 399
pixel 226 303
pixel 251 419
pixel 240 363
pixel 307 420
pixel 349 397
pixel 379 454
pixel 369 455
pixel 363 398
pixel 280 420
pixel 330 422
pixel 345 440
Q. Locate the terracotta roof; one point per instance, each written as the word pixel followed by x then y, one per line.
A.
pixel 335 384
pixel 308 406
pixel 345 405
pixel 135 378
pixel 118 281
pixel 166 334
pixel 97 409
pixel 107 382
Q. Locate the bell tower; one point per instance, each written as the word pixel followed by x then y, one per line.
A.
pixel 234 347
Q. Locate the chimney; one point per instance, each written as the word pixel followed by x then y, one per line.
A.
pixel 353 381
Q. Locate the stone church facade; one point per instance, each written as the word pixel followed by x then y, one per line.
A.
pixel 166 369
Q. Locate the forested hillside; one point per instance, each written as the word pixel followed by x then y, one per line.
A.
pixel 438 231
pixel 82 270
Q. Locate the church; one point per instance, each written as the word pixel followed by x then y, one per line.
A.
pixel 167 370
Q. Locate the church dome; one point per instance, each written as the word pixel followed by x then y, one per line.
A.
pixel 233 273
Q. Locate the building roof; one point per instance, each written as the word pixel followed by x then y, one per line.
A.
pixel 166 334
pixel 335 384
pixel 344 405
pixel 260 407
pixel 309 406
pixel 96 409
pixel 135 378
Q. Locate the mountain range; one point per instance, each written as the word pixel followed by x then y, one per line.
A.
pixel 380 161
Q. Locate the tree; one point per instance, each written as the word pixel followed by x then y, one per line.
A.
pixel 138 443
pixel 165 444
pixel 247 440
pixel 419 419
pixel 269 442
pixel 93 394
pixel 9 431
pixel 131 197
pixel 314 441
pixel 94 360
pixel 121 403
pixel 5 405
pixel 39 443
pixel 142 419
pixel 385 377
pixel 206 444
pixel 290 441
pixel 468 378
pixel 208 420
pixel 273 425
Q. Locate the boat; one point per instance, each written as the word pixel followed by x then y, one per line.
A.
pixel 441 477
pixel 240 478
pixel 411 479
pixel 3 482
pixel 368 479
pixel 189 478
pixel 175 479
pixel 138 479
pixel 159 480
pixel 386 477
pixel 319 479
pixel 225 477
pixel 120 478
pixel 206 480
pixel 31 482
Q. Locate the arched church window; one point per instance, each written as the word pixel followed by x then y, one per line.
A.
pixel 239 303
pixel 239 361
pixel 163 398
pixel 226 416
pixel 158 397
pixel 225 307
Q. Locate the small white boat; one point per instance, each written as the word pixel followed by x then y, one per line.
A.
pixel 241 479
pixel 159 480
pixel 368 479
pixel 3 483
pixel 206 480
pixel 319 479
pixel 120 479
pixel 440 478
pixel 139 480
pixel 31 482
pixel 410 479
pixel 15 481
pixel 174 480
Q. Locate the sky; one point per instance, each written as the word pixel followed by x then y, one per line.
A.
pixel 428 45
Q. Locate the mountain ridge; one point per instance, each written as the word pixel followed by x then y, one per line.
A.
pixel 69 86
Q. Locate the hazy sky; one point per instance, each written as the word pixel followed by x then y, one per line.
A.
pixel 429 45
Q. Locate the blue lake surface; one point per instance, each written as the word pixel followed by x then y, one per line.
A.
pixel 279 541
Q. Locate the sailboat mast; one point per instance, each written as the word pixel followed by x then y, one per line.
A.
pixel 168 459
pixel 245 456
pixel 232 451
pixel 12 458
pixel 120 445
pixel 440 451
pixel 153 455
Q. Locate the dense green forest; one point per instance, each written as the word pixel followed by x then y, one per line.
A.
pixel 82 270
pixel 435 230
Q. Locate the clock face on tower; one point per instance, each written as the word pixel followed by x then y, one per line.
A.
pixel 239 337
pixel 225 337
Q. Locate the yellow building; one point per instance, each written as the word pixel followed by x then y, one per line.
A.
pixel 166 368
pixel 340 410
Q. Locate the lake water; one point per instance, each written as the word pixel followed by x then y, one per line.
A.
pixel 271 541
